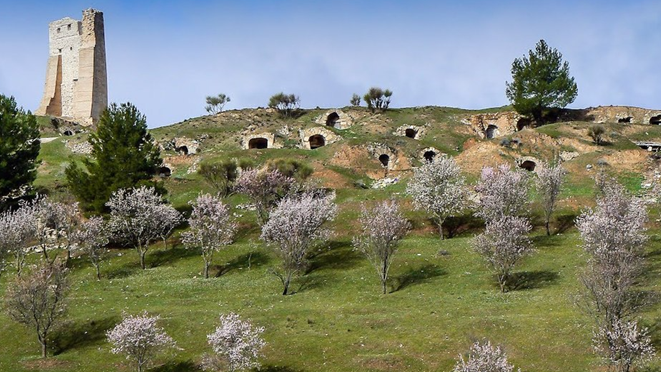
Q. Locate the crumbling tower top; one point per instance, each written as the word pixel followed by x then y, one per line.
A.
pixel 76 79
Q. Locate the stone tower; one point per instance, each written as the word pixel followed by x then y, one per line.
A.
pixel 76 79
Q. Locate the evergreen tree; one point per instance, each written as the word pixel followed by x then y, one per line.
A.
pixel 540 81
pixel 123 156
pixel 19 147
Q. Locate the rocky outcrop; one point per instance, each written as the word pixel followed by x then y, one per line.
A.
pixel 411 131
pixel 263 140
pixel 336 119
pixel 313 138
pixel 494 125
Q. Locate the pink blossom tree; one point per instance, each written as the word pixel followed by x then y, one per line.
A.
pixel 137 217
pixel 438 188
pixel 293 227
pixel 503 192
pixel 549 184
pixel 236 344
pixel 265 189
pixel 483 357
pixel 624 345
pixel 17 229
pixel 211 228
pixel 139 338
pixel 382 227
pixel 504 242
pixel 92 239
pixel 37 300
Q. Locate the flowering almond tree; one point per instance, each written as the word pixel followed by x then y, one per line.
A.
pixel 624 345
pixel 139 338
pixel 37 300
pixel 549 184
pixel 92 239
pixel 483 357
pixel 382 227
pixel 17 229
pixel 502 245
pixel 236 344
pixel 294 226
pixel 137 217
pixel 55 223
pixel 503 192
pixel 210 228
pixel 438 188
pixel 265 189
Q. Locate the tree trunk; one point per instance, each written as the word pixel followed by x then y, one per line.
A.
pixel 502 281
pixel 206 269
pixel 286 283
pixel 384 276
pixel 142 259
pixel 440 228
pixel 43 347
pixel 98 272
pixel 68 255
pixel 548 229
pixel 44 251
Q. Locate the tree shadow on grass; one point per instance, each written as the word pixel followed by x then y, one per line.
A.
pixel 123 271
pixel 169 256
pixel 463 224
pixel 272 368
pixel 73 336
pixel 339 256
pixel 564 222
pixel 184 366
pixel 532 279
pixel 244 261
pixel 417 276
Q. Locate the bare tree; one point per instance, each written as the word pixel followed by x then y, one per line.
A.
pixel 624 345
pixel 549 184
pixel 382 227
pixel 236 344
pixel 139 338
pixel 55 222
pixel 17 229
pixel 169 218
pixel 293 227
pixel 439 188
pixel 92 239
pixel 503 192
pixel 265 189
pixel 483 357
pixel 217 103
pixel 211 228
pixel 137 217
pixel 502 245
pixel 37 300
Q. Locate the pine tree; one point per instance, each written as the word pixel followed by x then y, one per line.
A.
pixel 123 156
pixel 19 147
pixel 540 81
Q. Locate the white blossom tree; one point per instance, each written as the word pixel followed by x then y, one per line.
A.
pixel 483 357
pixel 236 344
pixel 382 227
pixel 294 226
pixel 504 242
pixel 503 192
pixel 55 224
pixel 17 229
pixel 265 189
pixel 438 188
pixel 37 300
pixel 211 228
pixel 170 218
pixel 92 239
pixel 139 338
pixel 549 184
pixel 624 345
pixel 137 217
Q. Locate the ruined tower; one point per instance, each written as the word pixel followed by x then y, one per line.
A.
pixel 76 79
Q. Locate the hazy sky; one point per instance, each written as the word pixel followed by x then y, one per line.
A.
pixel 166 56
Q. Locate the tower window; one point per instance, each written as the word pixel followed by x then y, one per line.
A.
pixel 69 26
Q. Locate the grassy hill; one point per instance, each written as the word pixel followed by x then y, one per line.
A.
pixel 442 296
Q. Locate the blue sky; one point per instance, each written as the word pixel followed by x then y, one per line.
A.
pixel 166 56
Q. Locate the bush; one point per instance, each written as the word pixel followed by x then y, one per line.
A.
pixel 596 132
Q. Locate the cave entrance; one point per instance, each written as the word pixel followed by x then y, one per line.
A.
pixel 655 120
pixel 331 119
pixel 258 143
pixel 492 131
pixel 164 172
pixel 183 150
pixel 316 141
pixel 384 159
pixel 411 133
pixel 522 123
pixel 68 133
pixel 625 120
pixel 429 156
pixel 528 165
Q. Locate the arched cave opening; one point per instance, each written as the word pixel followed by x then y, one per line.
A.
pixel 67 133
pixel 164 172
pixel 625 120
pixel 492 131
pixel 258 143
pixel 332 118
pixel 384 159
pixel 316 141
pixel 411 133
pixel 655 120
pixel 528 165
pixel 523 123
pixel 429 156
pixel 183 150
